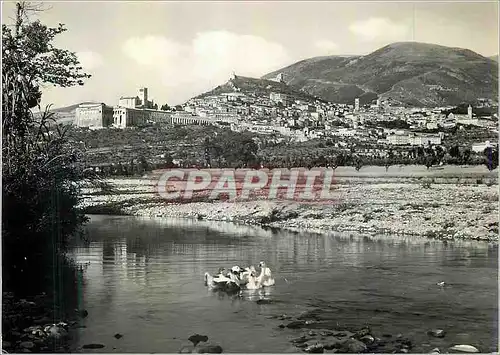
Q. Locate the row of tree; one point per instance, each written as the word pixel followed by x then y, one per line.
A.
pixel 419 156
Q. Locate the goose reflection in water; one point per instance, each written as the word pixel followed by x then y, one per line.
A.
pixel 257 294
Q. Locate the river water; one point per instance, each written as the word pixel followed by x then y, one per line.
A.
pixel 143 278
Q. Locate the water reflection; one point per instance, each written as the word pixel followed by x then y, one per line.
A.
pixel 146 275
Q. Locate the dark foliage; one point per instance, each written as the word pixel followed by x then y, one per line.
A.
pixel 42 174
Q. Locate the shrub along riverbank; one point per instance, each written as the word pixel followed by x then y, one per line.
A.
pixel 41 179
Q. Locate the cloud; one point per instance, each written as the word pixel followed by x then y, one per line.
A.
pixel 208 59
pixel 377 28
pixel 152 50
pixel 325 45
pixel 90 60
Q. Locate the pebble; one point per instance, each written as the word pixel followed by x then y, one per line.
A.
pixel 118 336
pixel 197 338
pixel 186 349
pixel 354 346
pixel 264 301
pixel 464 348
pixel 314 349
pixel 27 345
pixel 363 332
pixel 295 324
pixel 437 333
pixel 93 346
pixel 208 349
pixel 367 339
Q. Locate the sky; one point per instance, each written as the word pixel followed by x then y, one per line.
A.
pixel 180 49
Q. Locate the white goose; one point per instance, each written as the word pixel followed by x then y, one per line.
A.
pixel 265 278
pixel 253 282
pixel 245 274
pixel 217 281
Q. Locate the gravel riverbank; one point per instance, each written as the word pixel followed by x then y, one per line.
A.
pixel 443 204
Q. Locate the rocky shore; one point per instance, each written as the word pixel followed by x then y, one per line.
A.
pixel 443 206
pixel 316 331
pixel 31 326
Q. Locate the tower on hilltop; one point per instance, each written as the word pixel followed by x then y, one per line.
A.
pixel 280 78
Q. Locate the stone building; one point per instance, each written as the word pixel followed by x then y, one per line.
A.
pixel 94 115
pixel 124 117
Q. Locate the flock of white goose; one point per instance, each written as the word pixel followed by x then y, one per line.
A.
pixel 240 279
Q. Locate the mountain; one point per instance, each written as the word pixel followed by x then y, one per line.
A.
pixel 259 87
pixel 408 73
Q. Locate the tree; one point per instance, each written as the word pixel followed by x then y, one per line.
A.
pixel 132 168
pixel 165 107
pixel 119 169
pixel 439 153
pixel 358 162
pixel 169 161
pixel 42 172
pixel 389 159
pixel 235 148
pixel 465 156
pixel 340 160
pixel 29 60
pixel 454 152
pixel 143 163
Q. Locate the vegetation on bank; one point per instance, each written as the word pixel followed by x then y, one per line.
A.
pixel 42 171
pixel 134 151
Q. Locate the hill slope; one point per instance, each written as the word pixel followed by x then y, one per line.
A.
pixel 409 73
pixel 259 87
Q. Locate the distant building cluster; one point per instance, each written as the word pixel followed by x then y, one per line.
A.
pixel 280 78
pixel 131 111
pixel 138 111
pixel 284 114
pixel 410 138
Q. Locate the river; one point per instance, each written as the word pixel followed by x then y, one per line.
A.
pixel 143 278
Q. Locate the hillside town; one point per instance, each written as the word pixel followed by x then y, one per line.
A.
pixel 291 117
pixel 344 203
